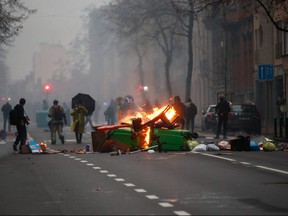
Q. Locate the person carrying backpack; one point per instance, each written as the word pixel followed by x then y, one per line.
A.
pixel 58 117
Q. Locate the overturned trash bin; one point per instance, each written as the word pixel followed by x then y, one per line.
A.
pixel 107 138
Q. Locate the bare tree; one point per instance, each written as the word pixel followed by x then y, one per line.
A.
pixel 150 19
pixel 273 9
pixel 12 15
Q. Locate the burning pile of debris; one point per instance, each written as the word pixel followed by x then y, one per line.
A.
pixel 143 132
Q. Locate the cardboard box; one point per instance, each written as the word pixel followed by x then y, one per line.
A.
pixel 25 149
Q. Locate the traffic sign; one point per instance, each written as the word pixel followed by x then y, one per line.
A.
pixel 265 72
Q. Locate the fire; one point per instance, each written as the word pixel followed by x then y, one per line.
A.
pixel 144 134
pixel 170 114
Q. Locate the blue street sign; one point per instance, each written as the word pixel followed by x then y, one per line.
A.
pixel 265 72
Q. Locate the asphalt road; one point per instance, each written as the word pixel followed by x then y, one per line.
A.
pixel 172 183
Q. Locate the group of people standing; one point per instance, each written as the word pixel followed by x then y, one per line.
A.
pixel 186 112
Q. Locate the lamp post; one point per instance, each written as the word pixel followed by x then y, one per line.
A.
pixel 224 44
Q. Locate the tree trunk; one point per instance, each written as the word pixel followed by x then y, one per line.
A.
pixel 190 56
pixel 167 75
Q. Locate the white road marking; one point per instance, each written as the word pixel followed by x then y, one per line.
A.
pixel 181 213
pixel 271 169
pixel 216 156
pixel 97 168
pixel 140 190
pixel 119 179
pixel 165 204
pixel 246 163
pixel 103 171
pixel 152 197
pixel 129 185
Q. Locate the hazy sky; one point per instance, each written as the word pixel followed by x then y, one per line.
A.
pixel 56 21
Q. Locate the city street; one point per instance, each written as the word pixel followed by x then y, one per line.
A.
pixel 171 183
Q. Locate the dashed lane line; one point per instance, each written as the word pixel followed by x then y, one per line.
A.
pixel 119 179
pixel 166 204
pixel 138 190
pixel 103 171
pixel 152 197
pixel 129 185
pixel 181 213
pixel 97 168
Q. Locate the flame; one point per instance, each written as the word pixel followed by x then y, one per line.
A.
pixel 144 135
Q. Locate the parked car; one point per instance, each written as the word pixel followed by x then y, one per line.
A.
pixel 245 117
pixel 208 120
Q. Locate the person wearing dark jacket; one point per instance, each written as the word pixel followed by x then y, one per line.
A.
pixel 180 111
pixel 222 109
pixel 191 112
pixel 6 108
pixel 22 120
pixel 58 119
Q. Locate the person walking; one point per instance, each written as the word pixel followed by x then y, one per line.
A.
pixel 222 109
pixel 78 114
pixel 58 118
pixel 180 111
pixel 22 121
pixel 6 108
pixel 191 112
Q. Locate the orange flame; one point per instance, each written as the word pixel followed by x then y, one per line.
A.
pixel 145 133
